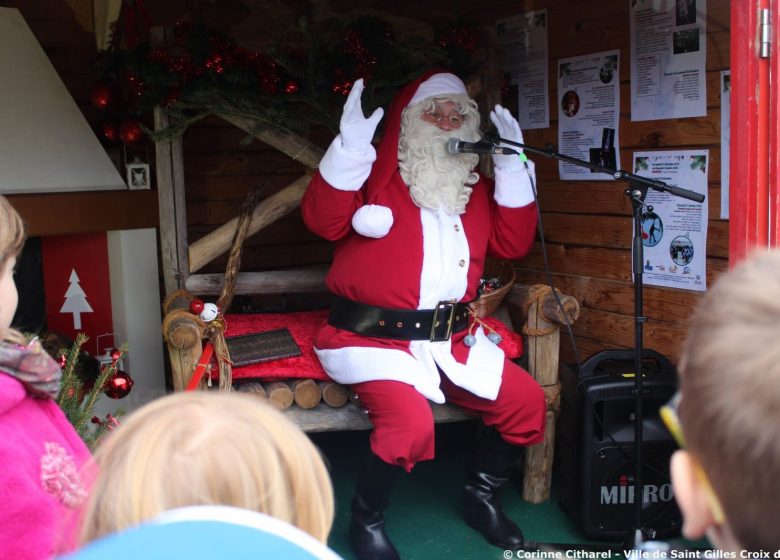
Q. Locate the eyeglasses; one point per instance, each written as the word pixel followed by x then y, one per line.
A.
pixel 671 420
pixel 455 120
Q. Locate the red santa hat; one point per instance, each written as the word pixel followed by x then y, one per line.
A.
pixel 435 83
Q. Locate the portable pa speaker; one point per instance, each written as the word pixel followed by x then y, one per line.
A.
pixel 596 445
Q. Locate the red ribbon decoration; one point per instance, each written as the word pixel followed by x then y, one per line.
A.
pixel 200 369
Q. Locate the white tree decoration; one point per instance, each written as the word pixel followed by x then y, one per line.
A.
pixel 75 300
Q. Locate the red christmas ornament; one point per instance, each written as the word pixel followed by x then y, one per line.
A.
pixel 291 87
pixel 196 306
pixel 115 354
pixel 118 386
pixel 130 131
pixel 101 95
pixel 62 360
pixel 109 131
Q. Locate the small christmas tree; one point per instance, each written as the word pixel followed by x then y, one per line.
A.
pixel 78 401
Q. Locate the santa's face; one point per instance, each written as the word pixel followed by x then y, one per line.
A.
pixel 437 179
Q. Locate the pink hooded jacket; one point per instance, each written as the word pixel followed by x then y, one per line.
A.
pixel 42 487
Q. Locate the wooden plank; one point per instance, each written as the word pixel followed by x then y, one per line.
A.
pixel 270 282
pixel 667 304
pixel 608 263
pixel 86 212
pixel 323 418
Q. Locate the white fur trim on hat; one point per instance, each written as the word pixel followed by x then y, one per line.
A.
pixel 439 85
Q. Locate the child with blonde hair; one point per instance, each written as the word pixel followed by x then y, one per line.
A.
pixel 41 453
pixel 728 409
pixel 208 448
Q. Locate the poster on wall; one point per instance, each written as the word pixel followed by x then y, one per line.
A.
pixel 668 59
pixel 77 285
pixel 523 41
pixel 674 229
pixel 725 141
pixel 589 113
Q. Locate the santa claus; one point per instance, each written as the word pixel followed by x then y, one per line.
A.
pixel 413 225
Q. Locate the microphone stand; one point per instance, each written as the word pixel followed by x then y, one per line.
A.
pixel 636 191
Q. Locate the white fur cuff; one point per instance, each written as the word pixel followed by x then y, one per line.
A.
pixel 344 169
pixel 372 220
pixel 513 186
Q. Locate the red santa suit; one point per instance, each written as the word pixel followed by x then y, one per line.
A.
pixel 393 254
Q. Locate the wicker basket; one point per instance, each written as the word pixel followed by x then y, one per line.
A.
pixel 486 304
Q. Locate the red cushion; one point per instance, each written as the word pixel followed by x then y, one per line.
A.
pixel 303 326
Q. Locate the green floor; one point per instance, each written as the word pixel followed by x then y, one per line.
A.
pixel 424 519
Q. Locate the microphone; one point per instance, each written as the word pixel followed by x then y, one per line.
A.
pixel 455 146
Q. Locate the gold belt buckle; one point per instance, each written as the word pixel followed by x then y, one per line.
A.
pixel 445 311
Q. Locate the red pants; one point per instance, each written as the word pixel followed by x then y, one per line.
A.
pixel 403 421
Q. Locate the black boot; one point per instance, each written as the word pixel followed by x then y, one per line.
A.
pixel 490 469
pixel 372 496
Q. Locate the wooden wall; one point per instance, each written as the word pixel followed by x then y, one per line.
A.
pixel 588 224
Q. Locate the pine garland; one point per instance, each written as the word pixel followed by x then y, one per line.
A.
pixel 300 82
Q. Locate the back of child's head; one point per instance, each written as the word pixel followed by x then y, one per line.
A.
pixel 730 407
pixel 201 448
pixel 13 234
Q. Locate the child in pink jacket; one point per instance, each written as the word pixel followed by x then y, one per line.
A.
pixel 41 454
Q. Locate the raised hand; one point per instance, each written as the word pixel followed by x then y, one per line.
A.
pixel 357 131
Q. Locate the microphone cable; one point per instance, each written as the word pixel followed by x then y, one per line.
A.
pixel 548 272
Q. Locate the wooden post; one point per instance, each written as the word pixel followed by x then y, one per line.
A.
pixel 307 393
pixel 542 319
pixel 169 170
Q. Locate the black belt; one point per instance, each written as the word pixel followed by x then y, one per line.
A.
pixel 406 324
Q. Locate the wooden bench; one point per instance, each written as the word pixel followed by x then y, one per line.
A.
pixel 534 307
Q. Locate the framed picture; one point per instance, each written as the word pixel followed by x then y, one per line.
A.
pixel 138 176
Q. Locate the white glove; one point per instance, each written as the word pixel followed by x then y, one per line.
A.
pixel 357 131
pixel 509 129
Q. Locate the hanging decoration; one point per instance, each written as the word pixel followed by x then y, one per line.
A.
pixel 298 83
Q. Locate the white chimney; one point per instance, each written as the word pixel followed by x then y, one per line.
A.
pixel 46 144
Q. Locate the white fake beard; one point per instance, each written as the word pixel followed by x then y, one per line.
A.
pixel 436 178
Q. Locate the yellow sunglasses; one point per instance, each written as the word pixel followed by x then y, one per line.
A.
pixel 671 420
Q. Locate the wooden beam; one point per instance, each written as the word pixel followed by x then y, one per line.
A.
pixel 297 147
pixel 269 282
pixel 86 212
pixel 206 249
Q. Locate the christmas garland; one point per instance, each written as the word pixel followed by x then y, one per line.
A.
pixel 299 83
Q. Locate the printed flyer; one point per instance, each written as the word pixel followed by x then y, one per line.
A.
pixel 674 229
pixel 589 114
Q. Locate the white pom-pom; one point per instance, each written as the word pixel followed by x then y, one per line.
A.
pixel 372 220
pixel 210 312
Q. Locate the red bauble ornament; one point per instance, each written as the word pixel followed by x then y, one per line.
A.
pixel 196 306
pixel 101 95
pixel 115 354
pixel 109 131
pixel 63 360
pixel 130 131
pixel 118 386
pixel 291 87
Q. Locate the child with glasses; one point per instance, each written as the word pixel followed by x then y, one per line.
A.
pixel 726 415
